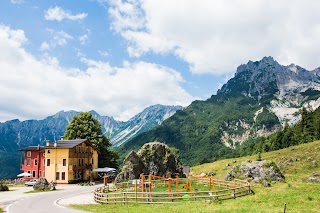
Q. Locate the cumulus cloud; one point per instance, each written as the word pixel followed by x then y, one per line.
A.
pixel 215 37
pixel 58 14
pixel 32 88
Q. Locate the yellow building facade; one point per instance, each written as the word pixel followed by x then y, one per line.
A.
pixel 70 161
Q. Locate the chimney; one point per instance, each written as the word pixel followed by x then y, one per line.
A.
pixel 62 138
pixel 55 144
pixel 38 148
pixel 47 143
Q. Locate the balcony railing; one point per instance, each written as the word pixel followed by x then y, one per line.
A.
pixel 79 167
pixel 80 154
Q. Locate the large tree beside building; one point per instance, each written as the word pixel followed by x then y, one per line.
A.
pixel 85 126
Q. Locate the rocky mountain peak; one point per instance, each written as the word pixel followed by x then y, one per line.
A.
pixel 257 65
pixel 267 78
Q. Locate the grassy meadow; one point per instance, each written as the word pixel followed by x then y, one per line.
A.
pixel 297 163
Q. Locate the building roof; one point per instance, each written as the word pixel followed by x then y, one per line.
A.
pixel 68 143
pixel 32 148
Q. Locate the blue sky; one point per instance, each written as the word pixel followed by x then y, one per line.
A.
pixel 119 57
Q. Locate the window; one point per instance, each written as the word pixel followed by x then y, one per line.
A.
pixel 79 162
pixel 33 173
pixel 36 162
pixel 49 151
pixel 92 161
pixel 64 162
pixel 29 171
pixel 44 162
pixel 28 153
pixel 44 154
pixel 57 175
pixel 48 162
pixel 28 161
pixel 82 162
pixel 63 176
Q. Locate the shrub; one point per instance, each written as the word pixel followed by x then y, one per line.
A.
pixel 4 187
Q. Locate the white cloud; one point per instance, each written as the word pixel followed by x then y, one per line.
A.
pixel 58 14
pixel 59 38
pixel 32 88
pixel 44 46
pixel 84 38
pixel 17 1
pixel 216 37
pixel 104 54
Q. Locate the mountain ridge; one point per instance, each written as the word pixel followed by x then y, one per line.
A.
pixel 16 134
pixel 261 98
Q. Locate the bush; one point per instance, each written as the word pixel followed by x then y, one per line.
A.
pixel 4 187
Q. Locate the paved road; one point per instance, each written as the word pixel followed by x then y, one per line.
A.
pixel 19 202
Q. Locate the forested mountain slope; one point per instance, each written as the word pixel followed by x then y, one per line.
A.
pixel 261 98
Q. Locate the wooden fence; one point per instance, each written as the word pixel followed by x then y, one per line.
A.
pixel 230 190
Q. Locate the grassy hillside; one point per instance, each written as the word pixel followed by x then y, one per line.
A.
pixel 297 171
pixel 298 195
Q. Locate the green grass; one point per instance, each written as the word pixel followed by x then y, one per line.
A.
pixel 295 192
pixel 1 210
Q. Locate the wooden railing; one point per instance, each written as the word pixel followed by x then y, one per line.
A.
pixel 80 154
pixel 232 190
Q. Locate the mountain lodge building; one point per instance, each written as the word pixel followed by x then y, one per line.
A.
pixel 63 161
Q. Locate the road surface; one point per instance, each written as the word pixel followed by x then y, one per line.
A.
pixel 17 201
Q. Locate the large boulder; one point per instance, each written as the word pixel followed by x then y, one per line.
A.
pixel 256 171
pixel 153 158
pixel 41 184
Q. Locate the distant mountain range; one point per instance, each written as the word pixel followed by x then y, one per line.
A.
pixel 17 134
pixel 262 97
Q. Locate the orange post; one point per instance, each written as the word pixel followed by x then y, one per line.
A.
pixel 213 186
pixel 142 184
pixel 177 182
pixel 150 185
pixel 169 185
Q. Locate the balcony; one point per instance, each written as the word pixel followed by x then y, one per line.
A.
pixel 72 168
pixel 80 154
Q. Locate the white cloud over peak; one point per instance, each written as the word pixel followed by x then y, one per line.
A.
pixel 33 88
pixel 58 14
pixel 216 37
